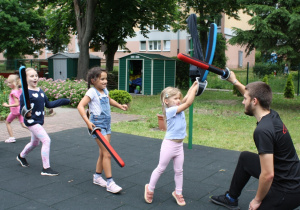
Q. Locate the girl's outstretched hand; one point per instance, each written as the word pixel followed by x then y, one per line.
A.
pixel 5 104
pixel 124 107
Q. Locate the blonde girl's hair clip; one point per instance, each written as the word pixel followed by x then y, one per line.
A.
pixel 167 95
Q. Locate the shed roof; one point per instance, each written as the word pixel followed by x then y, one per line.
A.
pixel 150 56
pixel 70 55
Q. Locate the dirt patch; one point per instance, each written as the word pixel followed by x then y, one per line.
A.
pixel 226 102
pixel 203 111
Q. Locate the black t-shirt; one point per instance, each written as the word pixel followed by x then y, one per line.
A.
pixel 272 137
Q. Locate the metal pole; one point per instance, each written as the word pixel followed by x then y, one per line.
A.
pixel 247 72
pixel 190 144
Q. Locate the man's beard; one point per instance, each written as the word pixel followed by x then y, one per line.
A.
pixel 249 110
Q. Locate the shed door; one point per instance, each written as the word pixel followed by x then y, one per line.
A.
pixel 59 69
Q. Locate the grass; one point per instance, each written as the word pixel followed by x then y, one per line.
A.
pixel 218 119
pixel 218 116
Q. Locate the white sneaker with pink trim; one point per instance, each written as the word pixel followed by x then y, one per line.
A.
pixel 99 181
pixel 10 140
pixel 113 187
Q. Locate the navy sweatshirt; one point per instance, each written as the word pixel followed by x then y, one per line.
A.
pixel 38 101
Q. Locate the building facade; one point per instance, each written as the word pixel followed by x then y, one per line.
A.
pixel 170 44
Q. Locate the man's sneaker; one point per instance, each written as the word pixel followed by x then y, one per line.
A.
pixel 223 200
pixel 10 140
pixel 99 181
pixel 49 172
pixel 22 161
pixel 113 187
pixel 179 199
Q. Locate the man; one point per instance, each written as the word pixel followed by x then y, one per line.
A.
pixel 276 165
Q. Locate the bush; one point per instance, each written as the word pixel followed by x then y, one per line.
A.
pixel 220 56
pixel 72 89
pixel 120 96
pixel 236 92
pixel 258 57
pixel 182 74
pixel 289 90
pixel 265 79
pixel 262 69
pixel 112 80
pixel 5 90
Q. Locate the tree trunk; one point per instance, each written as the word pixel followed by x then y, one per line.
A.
pixel 84 23
pixel 110 55
pixel 83 61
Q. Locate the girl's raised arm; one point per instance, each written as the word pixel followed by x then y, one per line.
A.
pixel 189 98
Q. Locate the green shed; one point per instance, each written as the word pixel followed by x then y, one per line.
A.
pixel 64 65
pixel 145 73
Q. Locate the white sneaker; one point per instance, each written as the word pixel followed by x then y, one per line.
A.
pixel 10 140
pixel 113 187
pixel 99 181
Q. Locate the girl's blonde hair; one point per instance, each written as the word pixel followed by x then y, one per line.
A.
pixel 165 94
pixel 28 69
pixel 15 79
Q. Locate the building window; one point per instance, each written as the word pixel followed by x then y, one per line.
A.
pixel 142 45
pixel 218 21
pixel 188 44
pixel 77 46
pixel 121 48
pixel 240 59
pixel 167 45
pixel 154 45
pixel 153 28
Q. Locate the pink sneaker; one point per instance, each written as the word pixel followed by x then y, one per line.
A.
pixel 148 195
pixel 99 181
pixel 10 140
pixel 113 187
pixel 179 199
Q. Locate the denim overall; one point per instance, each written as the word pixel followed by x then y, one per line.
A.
pixel 104 119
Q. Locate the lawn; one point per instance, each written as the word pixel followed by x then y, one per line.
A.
pixel 218 115
pixel 218 118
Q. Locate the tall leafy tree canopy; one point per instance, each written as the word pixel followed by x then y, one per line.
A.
pixel 22 28
pixel 114 20
pixel 275 28
pixel 209 11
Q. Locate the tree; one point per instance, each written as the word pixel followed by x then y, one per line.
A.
pixel 65 17
pixel 275 28
pixel 209 11
pixel 22 28
pixel 289 89
pixel 108 23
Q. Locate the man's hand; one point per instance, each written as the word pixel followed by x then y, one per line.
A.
pixel 254 204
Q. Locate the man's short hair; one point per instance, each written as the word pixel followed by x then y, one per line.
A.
pixel 262 92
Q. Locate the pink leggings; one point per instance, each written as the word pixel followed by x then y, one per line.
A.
pixel 169 150
pixel 38 134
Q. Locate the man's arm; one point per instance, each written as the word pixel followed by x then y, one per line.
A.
pixel 232 79
pixel 265 179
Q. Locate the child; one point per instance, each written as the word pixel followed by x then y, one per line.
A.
pixel 34 120
pixel 172 145
pixel 13 81
pixel 99 104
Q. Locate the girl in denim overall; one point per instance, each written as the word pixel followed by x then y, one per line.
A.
pixel 172 146
pixel 99 108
